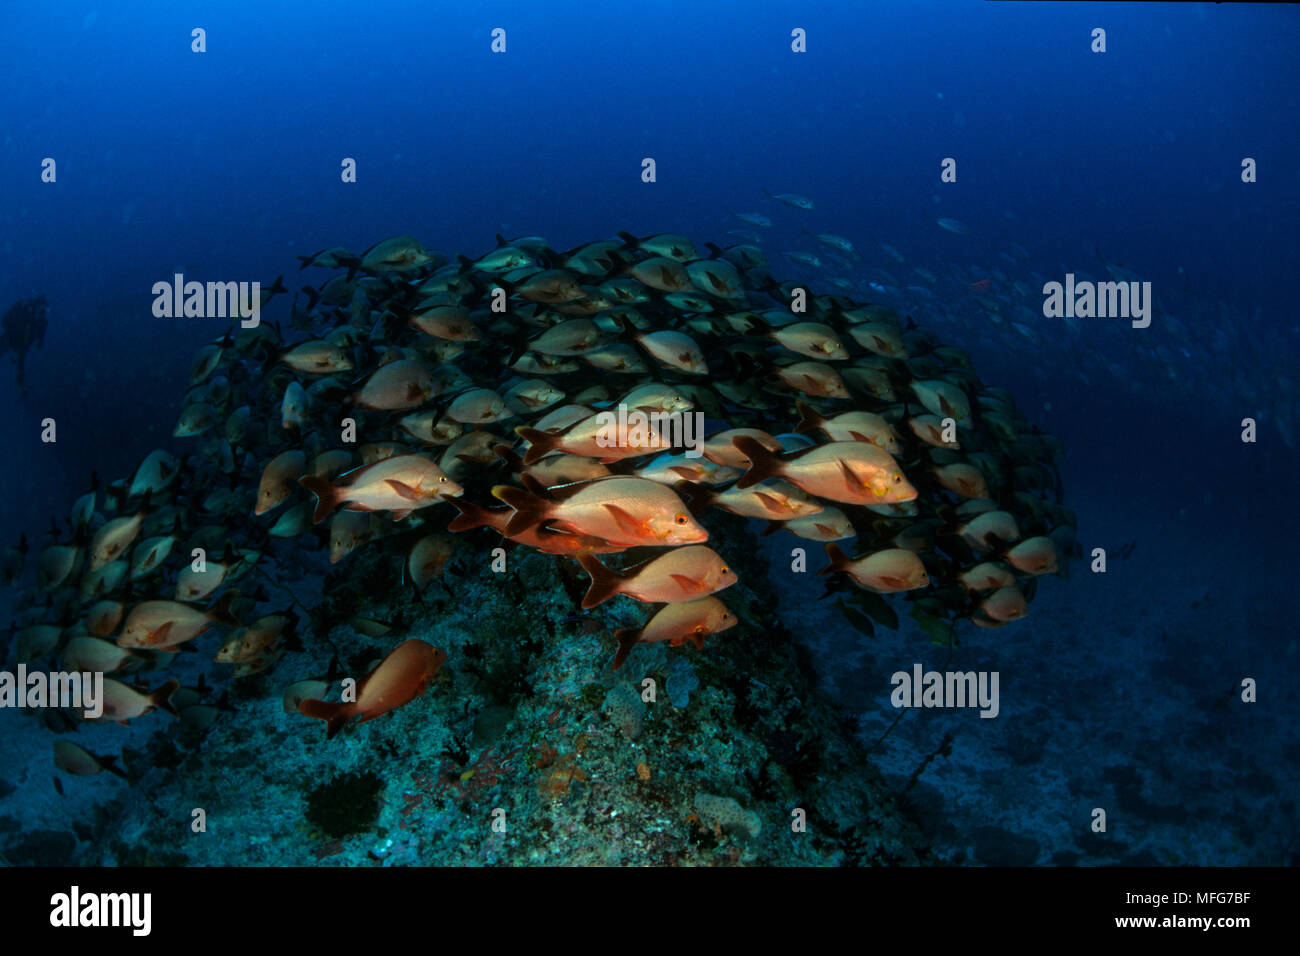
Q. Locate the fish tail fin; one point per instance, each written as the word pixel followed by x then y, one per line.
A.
pixel 278 285
pixel 471 516
pixel 326 496
pixel 627 639
pixel 605 583
pixel 809 420
pixel 695 496
pixel 530 509
pixel 221 611
pixel 541 443
pixel 335 716
pixel 746 367
pixel 509 456
pixel 839 560
pixel 109 763
pixel 763 463
pixel 630 240
pixel 161 698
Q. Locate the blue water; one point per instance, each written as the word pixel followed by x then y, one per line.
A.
pixel 225 165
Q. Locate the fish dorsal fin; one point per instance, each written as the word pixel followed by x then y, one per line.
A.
pixel 568 490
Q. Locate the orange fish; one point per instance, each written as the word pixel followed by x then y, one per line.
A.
pixel 111 541
pixel 1005 604
pixel 401 677
pixel 103 619
pixel 1034 556
pixel 317 358
pixel 570 337
pixel 163 624
pixel 986 577
pixel 603 436
pixel 348 531
pixel 397 386
pixel 888 571
pixel 478 406
pixel 773 500
pixel 962 479
pixel 95 654
pixel 721 448
pixel 80 762
pixel 449 323
pixel 623 511
pixel 849 426
pixel 829 524
pixel 990 530
pixel 851 472
pixel 677 623
pixel 277 479
pixel 399 484
pixel 123 703
pixel 543 539
pixel 813 378
pixel 682 574
pixel 427 557
pixel 260 636
pixel 676 350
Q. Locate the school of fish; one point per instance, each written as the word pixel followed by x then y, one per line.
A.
pixel 424 400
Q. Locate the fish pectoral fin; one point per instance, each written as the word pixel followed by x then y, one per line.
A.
pixel 403 489
pixel 159 634
pixel 625 520
pixel 771 502
pixel 850 479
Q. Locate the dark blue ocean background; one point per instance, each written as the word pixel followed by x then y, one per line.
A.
pixel 225 166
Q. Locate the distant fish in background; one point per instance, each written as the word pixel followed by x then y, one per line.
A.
pixel 22 328
pixel 792 199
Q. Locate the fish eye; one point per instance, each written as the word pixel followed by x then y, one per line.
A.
pixel 442 478
pixel 898 479
pixel 681 519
